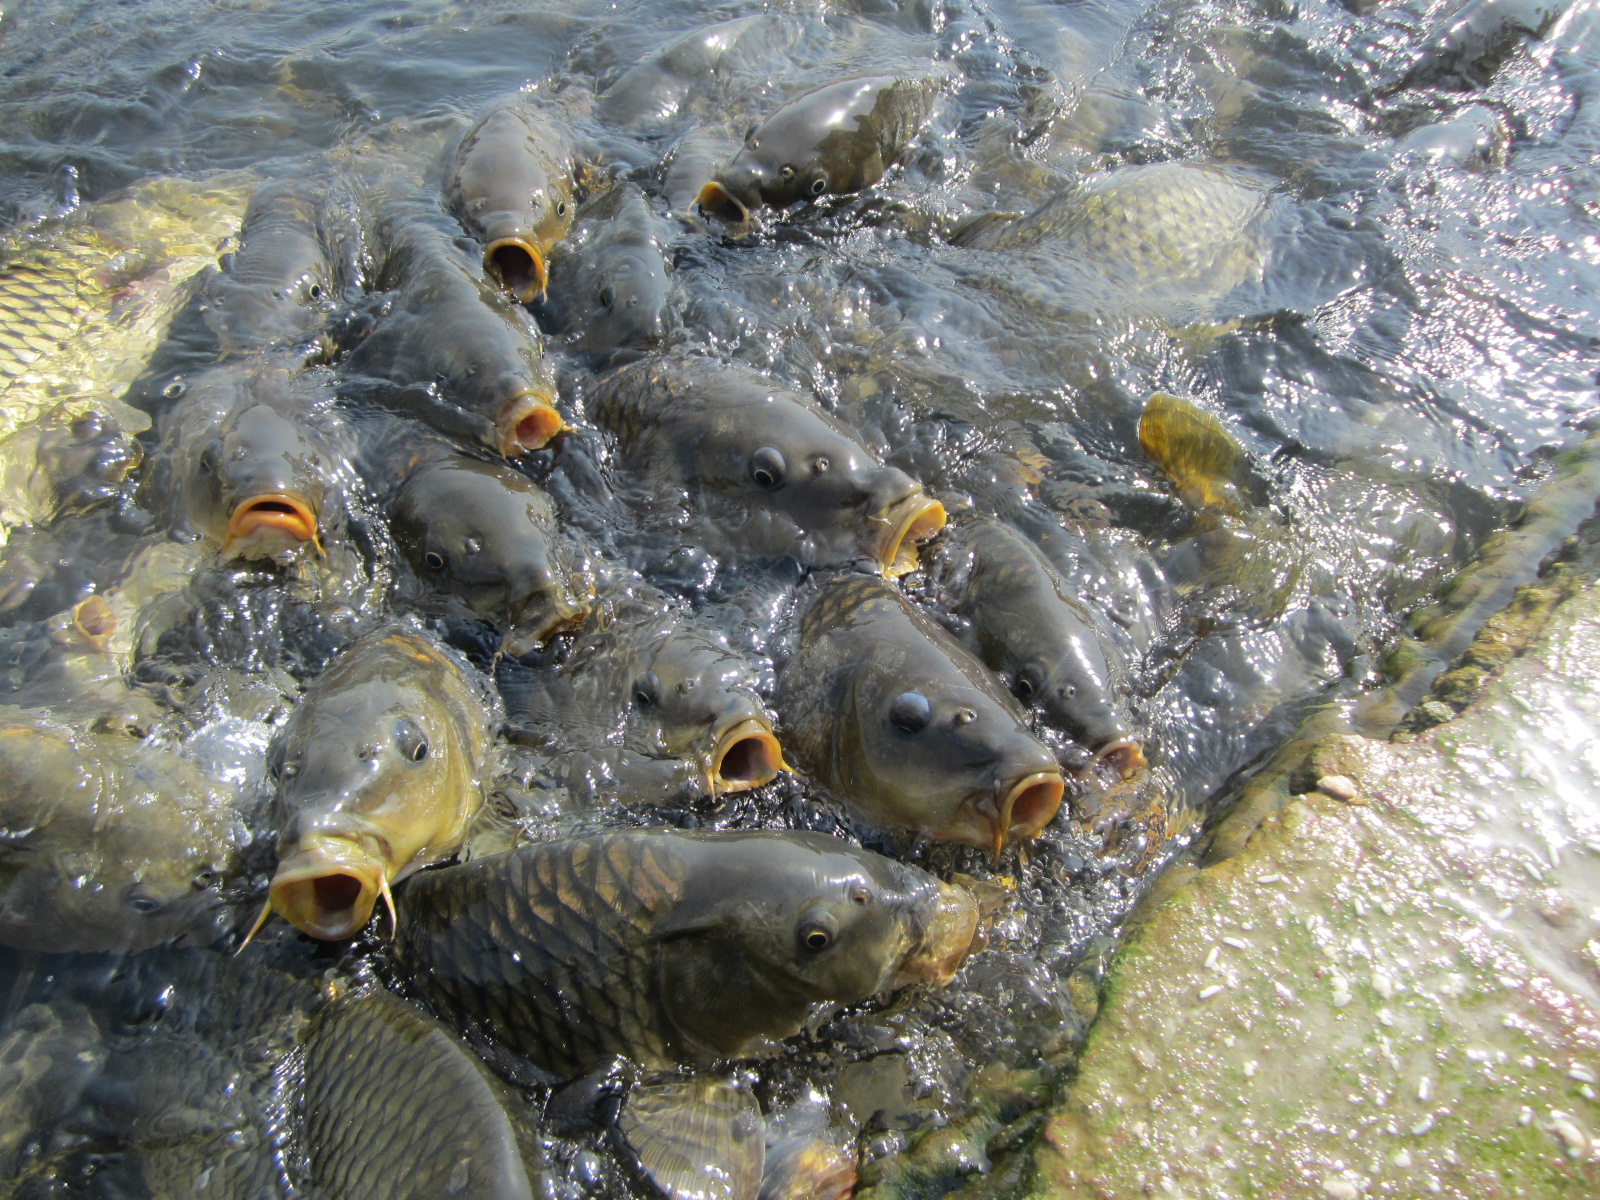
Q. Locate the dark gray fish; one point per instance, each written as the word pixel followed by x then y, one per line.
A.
pixel 655 704
pixel 464 355
pixel 47 1056
pixel 380 769
pixel 834 140
pixel 65 463
pixel 1040 639
pixel 395 1106
pixel 892 715
pixel 512 183
pixel 107 843
pixel 748 468
pixel 656 87
pixel 608 280
pixel 279 286
pixel 669 947
pixel 488 535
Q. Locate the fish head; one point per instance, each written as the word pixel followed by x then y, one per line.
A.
pixel 246 316
pixel 613 293
pixel 695 699
pixel 267 478
pixel 790 921
pixel 928 749
pixel 1071 682
pixel 803 485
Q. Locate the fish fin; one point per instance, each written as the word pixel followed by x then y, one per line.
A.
pixel 698 1138
pixel 807 1168
pixel 1195 451
pixel 266 912
pixel 972 230
pixel 388 902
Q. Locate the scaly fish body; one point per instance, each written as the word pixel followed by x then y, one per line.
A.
pixel 512 184
pixel 669 947
pixel 487 534
pixel 380 768
pixel 106 843
pixel 834 140
pixel 1041 640
pixel 761 470
pixel 896 718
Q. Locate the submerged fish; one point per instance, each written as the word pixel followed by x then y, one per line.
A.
pixel 379 769
pixel 64 463
pixel 750 468
pixel 892 715
pixel 486 534
pixel 512 183
pixel 279 286
pixel 464 355
pixel 85 300
pixel 659 703
pixel 657 86
pixel 608 281
pixel 834 140
pixel 1040 639
pixel 670 947
pixel 256 460
pixel 107 843
pixel 396 1107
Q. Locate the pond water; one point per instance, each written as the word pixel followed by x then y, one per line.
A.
pixel 1378 269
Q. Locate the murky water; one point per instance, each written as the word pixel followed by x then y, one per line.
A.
pixel 1400 331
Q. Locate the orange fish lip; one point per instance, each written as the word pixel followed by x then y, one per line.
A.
pixel 913 520
pixel 948 938
pixel 276 513
pixel 527 422
pixel 747 755
pixel 519 266
pixel 1126 754
pixel 715 200
pixel 1027 807
pixel 328 892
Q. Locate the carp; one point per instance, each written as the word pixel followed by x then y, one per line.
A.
pixel 892 715
pixel 608 281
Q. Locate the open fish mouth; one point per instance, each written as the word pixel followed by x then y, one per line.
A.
pixel 912 521
pixel 715 200
pixel 328 892
pixel 527 422
pixel 524 635
pixel 264 524
pixel 747 756
pixel 519 266
pixel 947 939
pixel 1027 807
pixel 1125 754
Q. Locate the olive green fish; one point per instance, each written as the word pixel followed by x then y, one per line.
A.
pixel 512 183
pixel 608 281
pixel 834 140
pixel 656 87
pixel 395 1106
pixel 465 356
pixel 107 843
pixel 667 947
pixel 65 462
pixel 652 703
pixel 1041 640
pixel 379 770
pixel 894 717
pixel 737 463
pixel 86 298
pixel 486 534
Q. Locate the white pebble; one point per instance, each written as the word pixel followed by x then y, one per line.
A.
pixel 1211 959
pixel 1587 1092
pixel 1250 1069
pixel 1207 992
pixel 1422 1126
pixel 1270 879
pixel 1241 944
pixel 1577 1141
pixel 1525 1117
pixel 1341 1189
pixel 1425 1089
pixel 1386 1019
pixel 1504 912
pixel 1340 787
pixel 1581 1074
pixel 1383 984
pixel 1341 991
pixel 1401 1159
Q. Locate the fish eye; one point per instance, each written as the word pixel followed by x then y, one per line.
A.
pixel 141 902
pixel 316 291
pixel 965 716
pixel 767 468
pixel 786 172
pixel 174 389
pixel 413 745
pixel 910 712
pixel 819 185
pixel 816 932
pixel 750 137
pixel 561 208
pixel 1026 686
pixel 645 689
pixel 434 559
pixel 861 895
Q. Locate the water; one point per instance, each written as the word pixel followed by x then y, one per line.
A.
pixel 1407 346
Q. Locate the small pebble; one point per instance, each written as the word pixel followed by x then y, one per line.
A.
pixel 1577 1141
pixel 1211 959
pixel 1525 1117
pixel 1207 992
pixel 1383 984
pixel 1241 944
pixel 1340 787
pixel 1581 1074
pixel 1270 879
pixel 1422 1126
pixel 1425 1089
pixel 1250 1069
pixel 1342 1189
pixel 1401 1159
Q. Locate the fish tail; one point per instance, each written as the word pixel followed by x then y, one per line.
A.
pixel 1194 450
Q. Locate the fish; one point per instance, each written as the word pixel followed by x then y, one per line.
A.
pixel 656 87
pixel 256 460
pixel 378 771
pixel 834 140
pixel 86 298
pixel 897 719
pixel 751 469
pixel 668 948
pixel 661 701
pixel 108 843
pixel 512 183
pixel 48 1054
pixel 488 535
pixel 608 279
pixel 279 286
pixel 395 1106
pixel 66 462
pixel 463 354
pixel 1041 639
